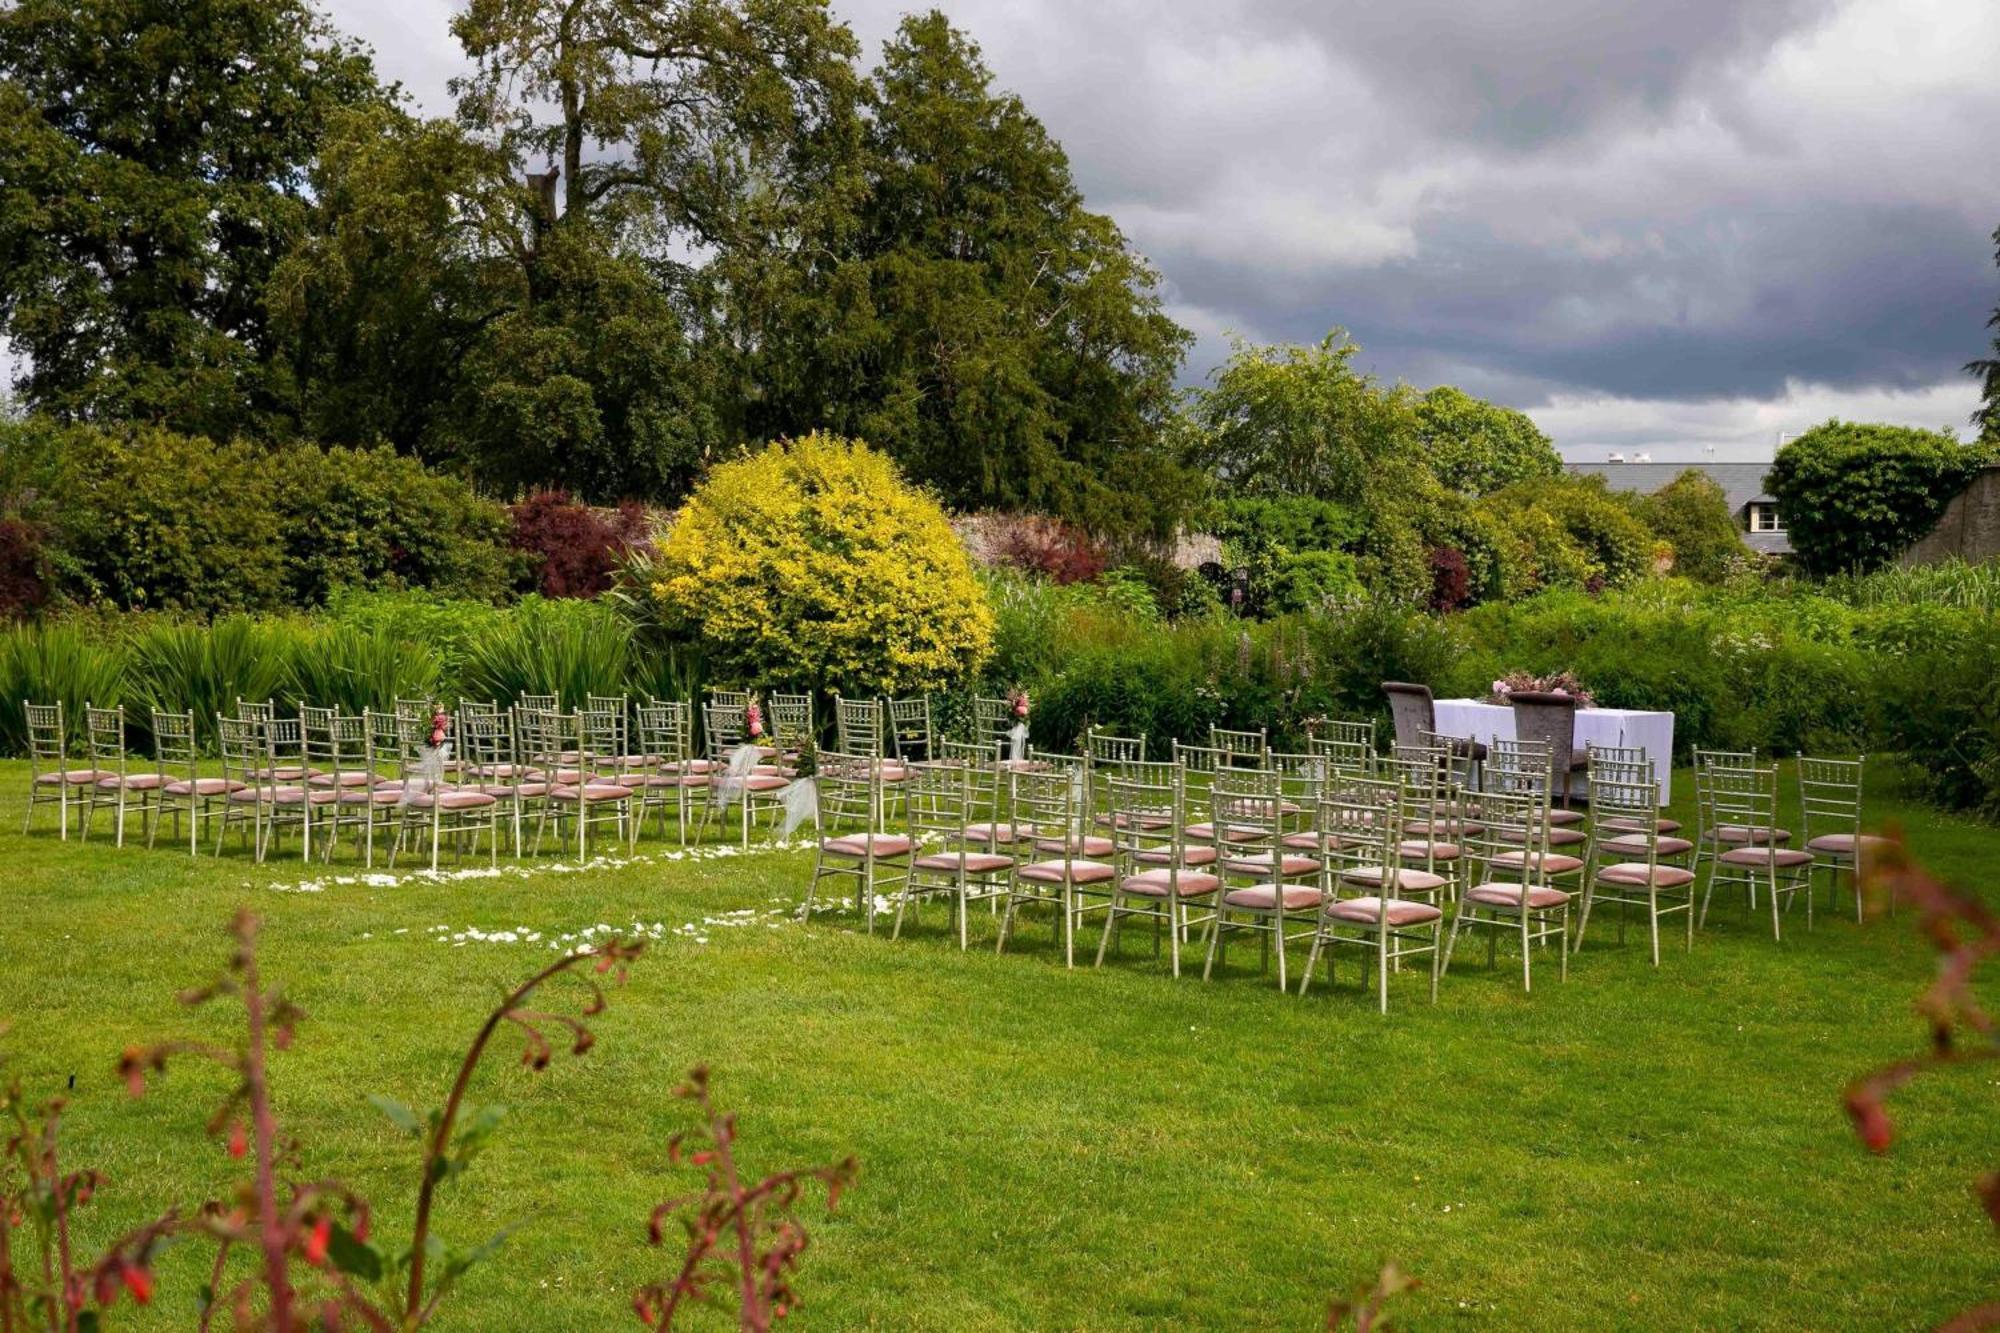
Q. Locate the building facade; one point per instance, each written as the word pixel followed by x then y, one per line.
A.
pixel 1756 513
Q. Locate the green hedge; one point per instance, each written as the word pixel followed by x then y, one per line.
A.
pixel 138 518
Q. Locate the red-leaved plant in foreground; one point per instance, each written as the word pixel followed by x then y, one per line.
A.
pixel 739 1234
pixel 315 1261
pixel 1966 934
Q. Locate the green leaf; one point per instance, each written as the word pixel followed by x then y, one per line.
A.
pixel 400 1115
pixel 353 1256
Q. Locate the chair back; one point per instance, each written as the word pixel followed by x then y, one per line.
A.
pixel 1301 777
pixel 981 763
pixel 413 710
pixel 487 744
pixel 245 751
pixel 249 710
pixel 175 745
pixel 724 728
pixel 1549 718
pixel 104 739
pixel 1360 823
pixel 850 790
pixel 1519 766
pixel 1707 764
pixel 1246 807
pixel 285 749
pixel 1247 749
pixel 1829 796
pixel 1513 823
pixel 792 725
pixel 618 708
pixel 1104 748
pixel 48 736
pixel 666 733
pixel 600 743
pixel 1047 808
pixel 1625 803
pixel 1146 807
pixel 540 703
pixel 910 736
pixel 992 719
pixel 1412 709
pixel 938 798
pixel 337 747
pixel 858 727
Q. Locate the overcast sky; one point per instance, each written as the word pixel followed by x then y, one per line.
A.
pixel 1650 223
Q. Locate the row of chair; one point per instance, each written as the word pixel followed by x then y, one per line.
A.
pixel 1336 847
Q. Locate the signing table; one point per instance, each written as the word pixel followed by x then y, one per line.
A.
pixel 1477 720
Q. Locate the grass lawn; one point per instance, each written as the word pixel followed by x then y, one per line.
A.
pixel 1042 1149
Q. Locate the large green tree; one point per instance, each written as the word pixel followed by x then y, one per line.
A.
pixel 153 171
pixel 1475 446
pixel 1853 495
pixel 973 318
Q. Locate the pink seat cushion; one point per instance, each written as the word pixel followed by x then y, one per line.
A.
pixel 1422 847
pixel 1634 873
pixel 1843 844
pixel 592 791
pixel 1206 833
pixel 1370 911
pixel 996 832
pixel 366 796
pixel 452 800
pixel 858 845
pixel 975 863
pixel 1161 856
pixel 1562 817
pixel 1738 833
pixel 1082 844
pixel 1782 857
pixel 344 779
pixel 134 782
pixel 75 777
pixel 1288 868
pixel 1160 883
pixel 282 795
pixel 1140 820
pixel 1080 872
pixel 1416 881
pixel 1549 863
pixel 1298 897
pixel 1558 837
pixel 1636 842
pixel 1628 822
pixel 202 787
pixel 1509 895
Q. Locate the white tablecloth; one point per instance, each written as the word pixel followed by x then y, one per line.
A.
pixel 1475 719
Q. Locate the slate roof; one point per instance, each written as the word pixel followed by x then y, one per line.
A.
pixel 1741 482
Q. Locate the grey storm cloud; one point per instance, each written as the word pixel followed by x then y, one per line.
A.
pixel 1645 206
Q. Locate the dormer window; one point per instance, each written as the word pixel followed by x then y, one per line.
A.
pixel 1764 517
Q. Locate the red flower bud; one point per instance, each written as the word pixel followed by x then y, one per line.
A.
pixel 239 1142
pixel 644 1309
pixel 139 1282
pixel 107 1286
pixel 316 1243
pixel 1872 1123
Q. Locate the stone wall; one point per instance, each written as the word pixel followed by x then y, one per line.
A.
pixel 1968 529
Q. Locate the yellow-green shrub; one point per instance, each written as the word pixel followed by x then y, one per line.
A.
pixel 814 562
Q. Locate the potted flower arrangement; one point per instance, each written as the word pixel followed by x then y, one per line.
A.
pixel 1017 735
pixel 1523 682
